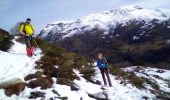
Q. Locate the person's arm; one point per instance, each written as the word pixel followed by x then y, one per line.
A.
pixel 21 30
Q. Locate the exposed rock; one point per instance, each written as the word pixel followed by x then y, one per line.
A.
pixel 62 98
pixel 59 96
pixel 145 97
pixel 74 87
pixel 37 94
pixel 98 82
pixel 43 82
pixel 31 76
pixel 160 71
pixel 10 82
pixel 14 89
pixel 99 96
pixel 55 92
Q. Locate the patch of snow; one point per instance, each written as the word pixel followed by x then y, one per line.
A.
pixel 56 67
pixel 135 38
pixel 87 86
pixel 168 41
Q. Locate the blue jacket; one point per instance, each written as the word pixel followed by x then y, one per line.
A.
pixel 102 63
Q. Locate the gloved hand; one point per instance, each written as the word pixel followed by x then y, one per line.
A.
pixel 26 35
pixel 33 35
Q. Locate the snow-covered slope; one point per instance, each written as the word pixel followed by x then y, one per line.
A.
pixel 104 20
pixel 16 65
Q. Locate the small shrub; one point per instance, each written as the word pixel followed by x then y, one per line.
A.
pixel 88 72
pixel 116 71
pixel 137 81
pixel 66 61
pixel 130 76
pixel 152 83
pixel 5 42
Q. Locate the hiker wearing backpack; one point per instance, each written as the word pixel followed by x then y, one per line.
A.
pixel 103 65
pixel 27 30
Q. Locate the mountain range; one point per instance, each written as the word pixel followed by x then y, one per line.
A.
pixel 131 34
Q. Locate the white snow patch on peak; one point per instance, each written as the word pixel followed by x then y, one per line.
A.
pixel 64 21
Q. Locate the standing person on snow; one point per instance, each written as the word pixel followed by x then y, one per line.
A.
pixel 102 64
pixel 27 30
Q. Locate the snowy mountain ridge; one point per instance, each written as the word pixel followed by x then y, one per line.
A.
pixel 104 20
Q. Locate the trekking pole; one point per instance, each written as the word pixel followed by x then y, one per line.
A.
pixel 36 44
pixel 58 74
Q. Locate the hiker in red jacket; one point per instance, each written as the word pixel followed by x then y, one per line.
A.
pixel 102 64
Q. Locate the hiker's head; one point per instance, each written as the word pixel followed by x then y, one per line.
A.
pixel 28 20
pixel 100 55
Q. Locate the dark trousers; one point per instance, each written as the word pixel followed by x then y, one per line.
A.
pixel 28 41
pixel 105 71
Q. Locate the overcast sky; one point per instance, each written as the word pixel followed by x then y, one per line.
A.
pixel 43 12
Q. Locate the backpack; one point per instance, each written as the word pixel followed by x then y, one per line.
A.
pixel 23 23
